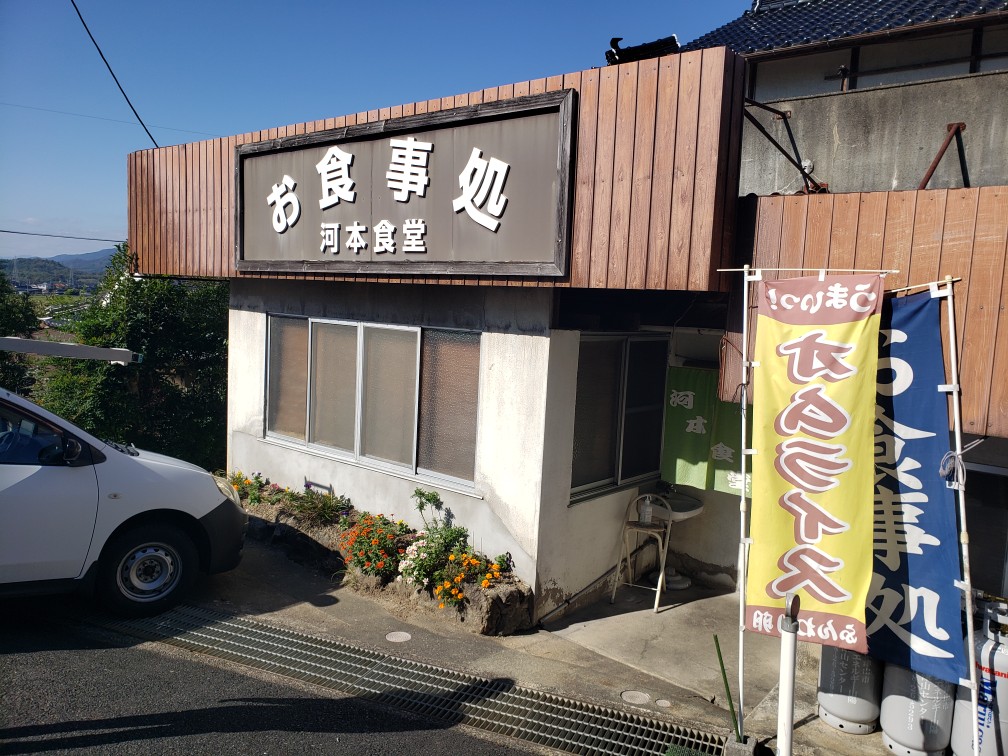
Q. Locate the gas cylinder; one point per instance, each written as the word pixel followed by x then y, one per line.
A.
pixel 850 690
pixel 916 713
pixel 991 724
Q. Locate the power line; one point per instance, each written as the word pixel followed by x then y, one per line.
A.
pixel 60 236
pixel 74 4
pixel 102 118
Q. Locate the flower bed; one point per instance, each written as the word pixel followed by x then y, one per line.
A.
pixel 374 552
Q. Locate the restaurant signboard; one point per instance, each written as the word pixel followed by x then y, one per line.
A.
pixel 478 190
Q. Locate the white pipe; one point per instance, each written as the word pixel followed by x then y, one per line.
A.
pixel 786 682
pixel 955 394
pixel 743 555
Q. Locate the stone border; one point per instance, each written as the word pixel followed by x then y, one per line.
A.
pixel 504 609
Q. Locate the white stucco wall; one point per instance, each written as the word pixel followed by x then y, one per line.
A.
pixel 520 498
pixel 502 508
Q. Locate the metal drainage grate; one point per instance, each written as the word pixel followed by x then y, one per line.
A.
pixel 496 706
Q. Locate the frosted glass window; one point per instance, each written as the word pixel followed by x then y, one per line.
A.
pixel 389 394
pixel 334 385
pixel 287 378
pixel 449 389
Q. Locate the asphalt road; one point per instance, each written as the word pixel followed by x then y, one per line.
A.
pixel 66 686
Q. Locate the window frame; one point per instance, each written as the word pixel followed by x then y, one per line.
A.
pixel 356 457
pixel 617 482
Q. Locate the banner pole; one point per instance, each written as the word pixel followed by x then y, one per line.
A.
pixel 955 393
pixel 743 552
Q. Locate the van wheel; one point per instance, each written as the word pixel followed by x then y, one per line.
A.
pixel 147 570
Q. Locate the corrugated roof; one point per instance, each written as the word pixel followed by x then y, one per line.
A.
pixel 780 24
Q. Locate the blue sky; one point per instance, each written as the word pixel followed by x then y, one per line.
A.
pixel 194 70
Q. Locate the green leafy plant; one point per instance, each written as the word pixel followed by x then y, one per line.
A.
pixel 312 505
pixel 430 550
pixel 374 545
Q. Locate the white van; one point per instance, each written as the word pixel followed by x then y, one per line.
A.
pixel 76 511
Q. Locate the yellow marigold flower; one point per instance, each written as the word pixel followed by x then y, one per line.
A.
pixel 451 557
pixel 494 567
pixel 497 576
pixel 489 576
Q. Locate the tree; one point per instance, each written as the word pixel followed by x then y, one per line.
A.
pixel 17 318
pixel 174 401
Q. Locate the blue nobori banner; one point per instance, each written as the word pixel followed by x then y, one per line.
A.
pixel 913 610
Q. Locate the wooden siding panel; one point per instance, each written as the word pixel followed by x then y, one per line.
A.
pixel 643 160
pixel 710 117
pixel 792 254
pixel 843 231
pixel 959 226
pixel 622 180
pixel 605 148
pixel 929 234
pixel 898 237
pixel 992 246
pixel 622 214
pixel 873 208
pixel 663 173
pixel 956 240
pixel 680 228
pixel 818 233
pixel 925 249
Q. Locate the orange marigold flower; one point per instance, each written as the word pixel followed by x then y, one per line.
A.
pixel 248 482
pixel 454 591
pixel 367 564
pixel 441 605
pixel 494 567
pixel 451 557
pixel 381 564
pixel 447 584
pixel 360 553
pixel 402 551
pixel 374 541
pixel 460 595
pixel 458 578
pixel 485 583
pixel 489 576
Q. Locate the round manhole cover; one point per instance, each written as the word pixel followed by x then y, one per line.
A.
pixel 398 637
pixel 635 697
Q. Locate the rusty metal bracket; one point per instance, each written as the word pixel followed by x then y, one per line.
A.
pixel 811 185
pixel 955 131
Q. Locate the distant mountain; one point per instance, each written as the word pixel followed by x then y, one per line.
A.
pixel 81 271
pixel 91 262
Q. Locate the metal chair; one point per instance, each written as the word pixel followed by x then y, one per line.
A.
pixel 664 511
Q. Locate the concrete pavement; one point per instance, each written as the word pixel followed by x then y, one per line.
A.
pixel 622 656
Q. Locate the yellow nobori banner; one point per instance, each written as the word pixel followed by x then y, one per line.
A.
pixel 813 472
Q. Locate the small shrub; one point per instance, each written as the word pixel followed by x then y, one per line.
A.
pixel 463 570
pixel 374 545
pixel 312 506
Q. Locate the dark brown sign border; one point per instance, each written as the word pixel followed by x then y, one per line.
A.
pixel 562 102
